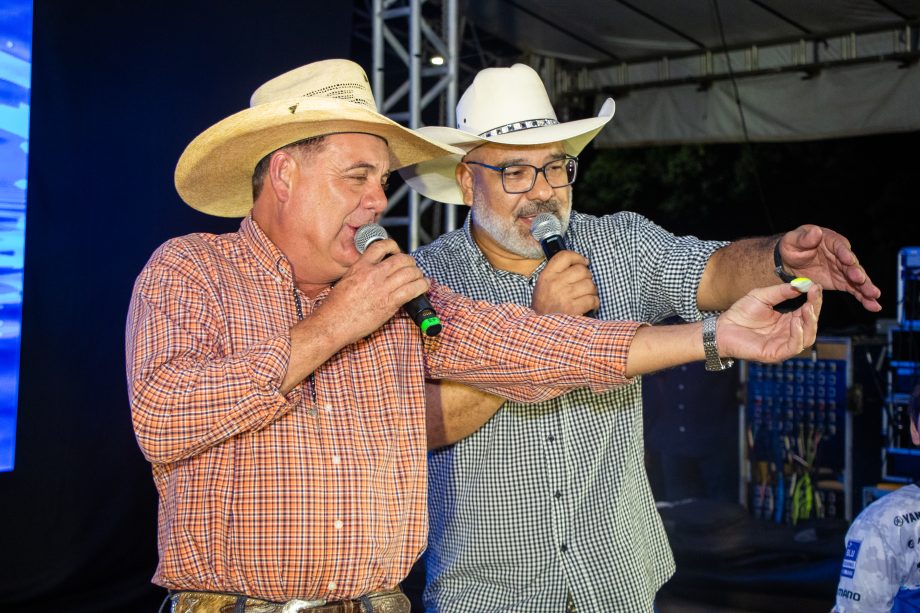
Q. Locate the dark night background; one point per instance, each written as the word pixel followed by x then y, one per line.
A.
pixel 119 89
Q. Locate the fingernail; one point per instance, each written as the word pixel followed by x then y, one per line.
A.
pixel 801 283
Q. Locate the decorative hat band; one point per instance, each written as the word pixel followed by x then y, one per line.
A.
pixel 518 126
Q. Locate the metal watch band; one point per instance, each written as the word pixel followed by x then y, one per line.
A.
pixel 711 349
pixel 779 269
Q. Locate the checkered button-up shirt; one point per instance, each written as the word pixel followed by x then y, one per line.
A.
pixel 552 498
pixel 319 494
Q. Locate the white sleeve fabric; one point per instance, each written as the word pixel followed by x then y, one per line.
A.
pixel 880 570
pixel 868 576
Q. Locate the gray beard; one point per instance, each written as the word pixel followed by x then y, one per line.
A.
pixel 507 234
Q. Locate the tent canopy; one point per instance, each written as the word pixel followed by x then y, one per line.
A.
pixel 721 71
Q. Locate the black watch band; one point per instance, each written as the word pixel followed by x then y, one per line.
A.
pixel 780 271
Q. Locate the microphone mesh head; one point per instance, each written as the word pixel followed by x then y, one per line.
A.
pixel 367 234
pixel 545 225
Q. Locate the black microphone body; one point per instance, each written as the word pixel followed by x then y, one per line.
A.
pixel 552 245
pixel 424 315
pixel 547 230
pixel 419 308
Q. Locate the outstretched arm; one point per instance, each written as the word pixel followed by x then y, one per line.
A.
pixel 751 329
pixel 820 254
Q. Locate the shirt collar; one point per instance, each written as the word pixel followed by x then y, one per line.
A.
pixel 266 253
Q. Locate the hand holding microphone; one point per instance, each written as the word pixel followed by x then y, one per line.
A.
pixel 565 285
pixel 419 308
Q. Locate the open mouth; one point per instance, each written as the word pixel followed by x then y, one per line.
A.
pixel 351 231
pixel 528 219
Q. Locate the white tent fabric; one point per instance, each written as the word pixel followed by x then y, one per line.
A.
pixel 804 69
pixel 859 100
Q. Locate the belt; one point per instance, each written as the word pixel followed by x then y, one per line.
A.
pixel 393 601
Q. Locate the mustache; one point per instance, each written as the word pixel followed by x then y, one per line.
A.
pixel 535 208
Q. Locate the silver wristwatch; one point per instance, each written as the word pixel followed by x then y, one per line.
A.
pixel 713 361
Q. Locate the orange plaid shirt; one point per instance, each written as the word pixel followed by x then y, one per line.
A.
pixel 279 497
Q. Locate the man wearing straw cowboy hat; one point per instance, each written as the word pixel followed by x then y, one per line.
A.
pixel 278 389
pixel 547 506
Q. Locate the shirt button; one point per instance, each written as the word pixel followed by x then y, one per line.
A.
pixel 332 586
pixel 680 406
pixel 563 548
pixel 558 495
pixel 682 429
pixel 338 524
pixel 551 438
pixel 680 386
pixel 328 407
pixel 336 459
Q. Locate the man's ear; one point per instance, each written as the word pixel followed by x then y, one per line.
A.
pixel 281 170
pixel 465 180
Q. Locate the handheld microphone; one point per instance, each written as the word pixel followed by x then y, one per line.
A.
pixel 547 230
pixel 419 308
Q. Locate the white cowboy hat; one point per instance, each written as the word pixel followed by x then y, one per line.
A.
pixel 503 105
pixel 214 173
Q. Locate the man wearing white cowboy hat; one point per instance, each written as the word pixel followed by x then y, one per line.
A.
pixel 541 507
pixel 278 389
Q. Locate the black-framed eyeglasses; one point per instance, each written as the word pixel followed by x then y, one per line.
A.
pixel 520 178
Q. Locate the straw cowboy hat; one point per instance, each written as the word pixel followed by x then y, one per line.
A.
pixel 503 105
pixel 214 173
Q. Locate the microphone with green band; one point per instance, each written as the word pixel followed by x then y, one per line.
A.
pixel 419 308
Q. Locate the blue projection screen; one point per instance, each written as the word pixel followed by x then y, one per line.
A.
pixel 15 87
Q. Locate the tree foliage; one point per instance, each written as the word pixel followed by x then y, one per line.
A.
pixel 862 187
